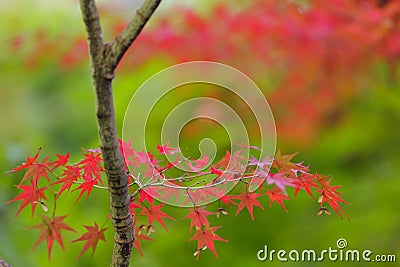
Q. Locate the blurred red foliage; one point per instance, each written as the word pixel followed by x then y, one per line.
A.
pixel 309 59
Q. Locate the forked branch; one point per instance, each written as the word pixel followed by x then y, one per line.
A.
pixel 104 60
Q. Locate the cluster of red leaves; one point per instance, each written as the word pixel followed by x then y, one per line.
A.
pixel 45 177
pixel 89 169
pixel 50 230
pixel 276 173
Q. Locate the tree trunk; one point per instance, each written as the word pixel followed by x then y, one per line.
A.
pixel 104 59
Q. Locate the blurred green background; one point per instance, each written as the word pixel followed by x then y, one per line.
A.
pixel 342 113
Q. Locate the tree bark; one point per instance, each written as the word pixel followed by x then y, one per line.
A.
pixel 104 60
pixel 3 263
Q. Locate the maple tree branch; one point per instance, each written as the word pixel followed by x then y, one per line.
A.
pixel 91 20
pixel 124 40
pixel 104 59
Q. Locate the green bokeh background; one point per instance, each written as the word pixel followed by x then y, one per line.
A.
pixel 52 108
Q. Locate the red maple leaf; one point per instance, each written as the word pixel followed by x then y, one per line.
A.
pixel 200 163
pixel 70 175
pixel 139 236
pixel 91 237
pixel 277 195
pixel 143 195
pixel 197 196
pixel 146 158
pixel 306 181
pixel 37 170
pixel 29 162
pixel 127 151
pixel 50 230
pixel 224 161
pixel 166 150
pixel 86 186
pixel 232 162
pixel 266 162
pixel 280 180
pixel 155 213
pixel 92 166
pixel 329 194
pixel 227 200
pixel 61 161
pixel 198 217
pixel 31 195
pixel 216 171
pixel 248 200
pixel 168 192
pixel 205 239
